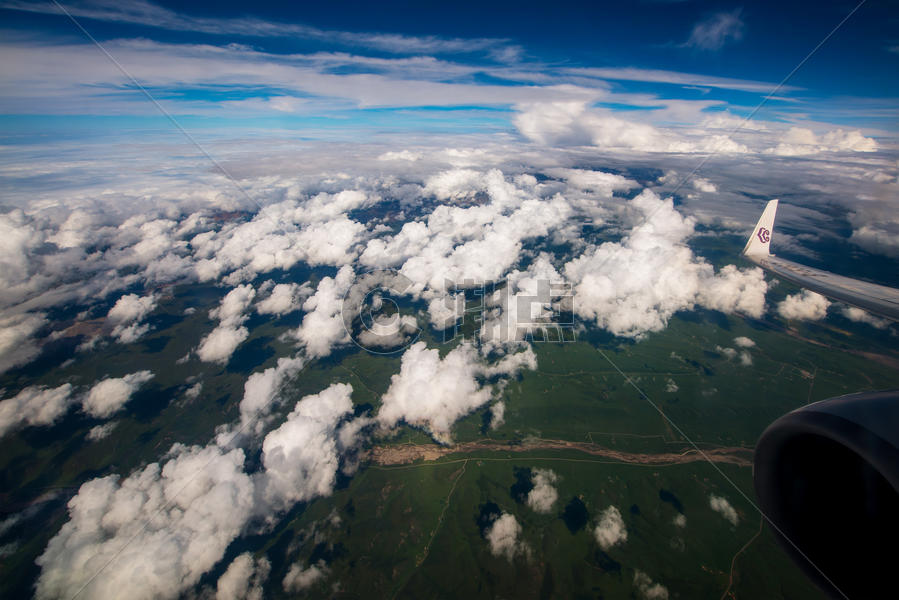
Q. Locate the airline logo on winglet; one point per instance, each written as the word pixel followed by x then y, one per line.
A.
pixel 760 239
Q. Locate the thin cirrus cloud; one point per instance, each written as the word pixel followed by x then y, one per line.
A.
pixel 138 12
pixel 716 31
pixel 677 78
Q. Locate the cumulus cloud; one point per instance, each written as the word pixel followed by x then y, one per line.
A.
pixel 159 529
pixel 671 386
pixel 744 342
pixel 634 286
pixel 716 31
pixel 680 520
pixel 610 530
pixel 704 185
pixel 34 406
pixel 100 432
pixel 261 395
pixel 284 298
pixel 597 182
pixel 543 495
pixel 299 579
pixel 302 456
pixel 445 311
pixel 388 331
pixel 497 414
pixel 860 316
pixel 243 579
pixel 724 508
pixel 434 393
pixel 527 303
pixel 323 327
pixel 220 344
pixel 127 314
pixel 647 588
pixel 806 306
pixel 466 246
pixel 799 141
pixel 17 346
pixel 281 235
pixel 575 123
pixel 730 353
pixel 878 238
pixel 503 534
pixel 108 396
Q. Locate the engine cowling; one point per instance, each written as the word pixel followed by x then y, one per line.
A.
pixel 827 479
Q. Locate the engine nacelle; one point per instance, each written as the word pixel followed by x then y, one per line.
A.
pixel 827 478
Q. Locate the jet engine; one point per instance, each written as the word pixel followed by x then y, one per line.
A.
pixel 827 478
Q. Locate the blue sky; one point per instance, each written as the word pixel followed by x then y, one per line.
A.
pixel 401 65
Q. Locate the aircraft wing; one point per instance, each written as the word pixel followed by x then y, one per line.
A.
pixel 876 299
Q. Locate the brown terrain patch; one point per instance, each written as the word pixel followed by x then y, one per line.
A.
pixel 410 453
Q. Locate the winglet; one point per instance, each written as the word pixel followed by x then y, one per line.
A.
pixel 760 239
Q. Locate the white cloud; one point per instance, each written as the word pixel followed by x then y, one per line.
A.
pixel 221 342
pixel 574 123
pixel 301 457
pixel 806 305
pixel 261 395
pixel 243 579
pixel 16 344
pixel 434 393
pixel 234 305
pixel 859 316
pixel 298 579
pixel 610 530
pixel 497 414
pixel 158 529
pixel 671 386
pixel 108 396
pixel 503 534
pixel 99 432
pixel 730 353
pixel 141 12
pixel 284 298
pixel 527 303
pixel 799 141
pixel 34 406
pixel 744 342
pixel 445 311
pixel 684 79
pixel 716 31
pixel 388 331
pixel 634 286
pixel 323 327
pixel 722 506
pixel 648 589
pixel 193 392
pixel 598 182
pixel 127 314
pixel 543 495
pixel 680 520
pixel 704 185
pixel 878 238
